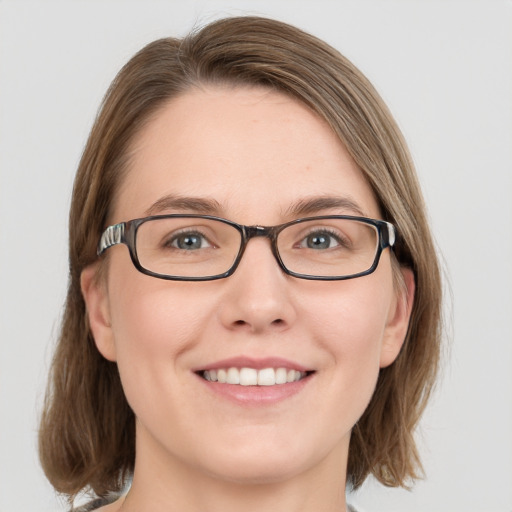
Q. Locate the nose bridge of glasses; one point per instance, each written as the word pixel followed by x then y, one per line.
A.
pixel 269 232
pixel 254 231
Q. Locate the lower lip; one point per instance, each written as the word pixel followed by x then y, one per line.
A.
pixel 256 395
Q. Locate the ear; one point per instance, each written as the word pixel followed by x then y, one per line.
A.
pixel 398 319
pixel 94 291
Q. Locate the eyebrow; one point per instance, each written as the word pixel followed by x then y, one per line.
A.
pixel 312 205
pixel 207 206
pixel 198 205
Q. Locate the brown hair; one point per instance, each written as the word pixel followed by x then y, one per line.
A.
pixel 87 429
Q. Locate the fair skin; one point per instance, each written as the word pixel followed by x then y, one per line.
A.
pixel 256 154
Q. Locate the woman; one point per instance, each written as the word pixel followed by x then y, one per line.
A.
pixel 271 331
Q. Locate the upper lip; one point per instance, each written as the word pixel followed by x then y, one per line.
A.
pixel 256 363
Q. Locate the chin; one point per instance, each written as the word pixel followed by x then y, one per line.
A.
pixel 261 472
pixel 257 465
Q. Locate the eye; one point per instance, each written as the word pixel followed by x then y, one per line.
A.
pixel 321 240
pixel 189 241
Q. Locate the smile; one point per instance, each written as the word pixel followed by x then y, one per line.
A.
pixel 253 377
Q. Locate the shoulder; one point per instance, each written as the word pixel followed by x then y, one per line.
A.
pixel 95 504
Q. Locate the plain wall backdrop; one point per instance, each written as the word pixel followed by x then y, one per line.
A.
pixel 444 68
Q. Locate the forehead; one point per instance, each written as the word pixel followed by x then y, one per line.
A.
pixel 253 151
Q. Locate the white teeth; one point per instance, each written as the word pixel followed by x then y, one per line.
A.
pixel 267 377
pixel 248 376
pixel 253 377
pixel 233 376
pixel 281 374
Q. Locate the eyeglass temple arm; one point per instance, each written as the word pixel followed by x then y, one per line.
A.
pixel 111 236
pixel 389 238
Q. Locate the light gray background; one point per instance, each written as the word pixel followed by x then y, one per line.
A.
pixel 445 69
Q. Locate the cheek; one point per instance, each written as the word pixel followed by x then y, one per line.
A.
pixel 153 322
pixel 349 322
pixel 352 314
pixel 150 314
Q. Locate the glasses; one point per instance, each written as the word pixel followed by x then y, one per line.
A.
pixel 203 248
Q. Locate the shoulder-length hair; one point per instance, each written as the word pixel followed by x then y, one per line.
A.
pixel 87 432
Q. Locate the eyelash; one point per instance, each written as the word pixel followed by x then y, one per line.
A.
pixel 340 239
pixel 168 242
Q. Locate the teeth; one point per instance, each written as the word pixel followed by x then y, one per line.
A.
pixel 281 374
pixel 253 377
pixel 248 376
pixel 233 376
pixel 267 377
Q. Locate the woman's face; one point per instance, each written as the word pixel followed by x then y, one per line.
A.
pixel 255 157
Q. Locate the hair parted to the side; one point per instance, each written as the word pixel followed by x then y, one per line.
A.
pixel 87 432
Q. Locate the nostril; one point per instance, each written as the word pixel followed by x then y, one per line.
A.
pixel 277 322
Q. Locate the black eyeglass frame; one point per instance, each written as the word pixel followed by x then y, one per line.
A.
pixel 126 232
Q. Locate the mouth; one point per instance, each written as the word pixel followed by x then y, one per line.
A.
pixel 247 376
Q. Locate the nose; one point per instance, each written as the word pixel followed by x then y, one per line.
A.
pixel 257 296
